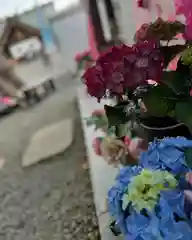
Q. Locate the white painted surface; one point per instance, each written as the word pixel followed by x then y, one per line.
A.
pixel 102 175
pixel 25 47
pixel 72 37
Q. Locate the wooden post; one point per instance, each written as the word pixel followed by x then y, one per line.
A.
pixel 93 11
pixel 112 19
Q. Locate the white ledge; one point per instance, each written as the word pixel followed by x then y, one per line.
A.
pixel 102 175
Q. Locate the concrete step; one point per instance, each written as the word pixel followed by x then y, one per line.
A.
pixel 102 175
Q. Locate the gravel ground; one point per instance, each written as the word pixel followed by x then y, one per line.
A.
pixel 52 200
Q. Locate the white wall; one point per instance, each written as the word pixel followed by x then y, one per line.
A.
pixel 30 17
pixel 72 37
pixel 131 17
pixel 126 21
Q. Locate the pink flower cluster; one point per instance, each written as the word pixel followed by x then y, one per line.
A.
pixel 124 67
pixel 80 56
pixel 185 7
pixel 98 113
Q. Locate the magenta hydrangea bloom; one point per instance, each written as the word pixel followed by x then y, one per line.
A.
pixel 124 67
pixel 141 63
pixel 95 82
pixel 111 64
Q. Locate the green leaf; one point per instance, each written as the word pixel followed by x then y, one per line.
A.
pixel 160 101
pixel 188 157
pixel 89 121
pixel 177 81
pixel 122 130
pixel 183 112
pixel 80 65
pixel 100 122
pixel 170 52
pixel 116 115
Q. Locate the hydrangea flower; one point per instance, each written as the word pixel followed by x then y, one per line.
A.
pixel 143 227
pixel 124 67
pixel 185 7
pixel 116 193
pixel 188 29
pixel 142 62
pixel 94 81
pixel 167 220
pixel 111 63
pixel 167 154
pixel 144 189
pixel 174 222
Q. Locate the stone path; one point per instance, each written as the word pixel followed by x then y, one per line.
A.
pixel 52 200
pixel 49 141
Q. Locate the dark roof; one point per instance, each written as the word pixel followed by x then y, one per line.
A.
pixel 15 23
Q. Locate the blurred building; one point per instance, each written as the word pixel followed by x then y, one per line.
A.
pixel 30 16
pixel 18 39
pixel 110 19
pixel 70 28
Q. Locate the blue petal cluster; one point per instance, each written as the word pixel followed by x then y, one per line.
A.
pixel 168 220
pixel 167 154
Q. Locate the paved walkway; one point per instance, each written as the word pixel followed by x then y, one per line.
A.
pixel 52 200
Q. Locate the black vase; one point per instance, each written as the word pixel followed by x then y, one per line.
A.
pixel 160 127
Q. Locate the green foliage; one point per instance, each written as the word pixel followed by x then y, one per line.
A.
pixel 160 101
pixel 183 112
pixel 170 52
pixel 177 81
pixel 98 122
pixel 123 130
pixel 188 157
pixel 116 115
pixel 165 30
pixel 186 56
pixel 122 117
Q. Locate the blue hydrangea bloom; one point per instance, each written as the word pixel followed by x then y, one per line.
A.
pixel 115 194
pixel 175 230
pixel 169 219
pixel 142 227
pixel 125 175
pixel 167 154
pixel 170 202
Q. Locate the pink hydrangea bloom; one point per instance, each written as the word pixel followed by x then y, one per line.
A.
pixel 188 30
pixel 185 7
pixel 80 56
